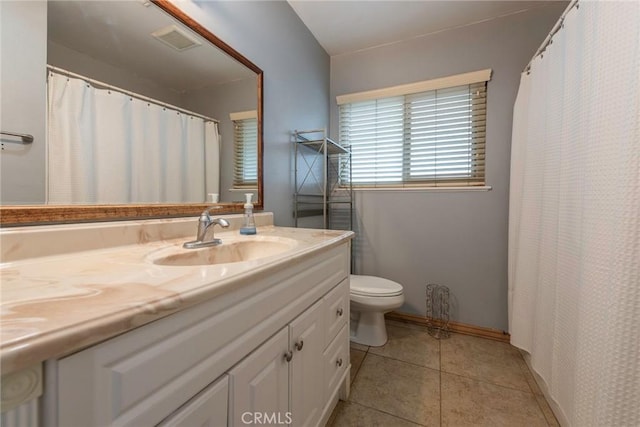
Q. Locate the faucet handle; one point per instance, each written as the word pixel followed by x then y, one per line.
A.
pixel 206 214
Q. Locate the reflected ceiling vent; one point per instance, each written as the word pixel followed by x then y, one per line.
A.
pixel 176 38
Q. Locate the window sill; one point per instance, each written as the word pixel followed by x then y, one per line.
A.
pixel 426 189
pixel 244 190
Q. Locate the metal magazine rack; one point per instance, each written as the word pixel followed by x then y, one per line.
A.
pixel 322 181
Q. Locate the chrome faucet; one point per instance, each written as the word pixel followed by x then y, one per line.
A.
pixel 206 223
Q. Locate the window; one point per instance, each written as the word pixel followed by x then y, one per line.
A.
pixel 245 152
pixel 424 134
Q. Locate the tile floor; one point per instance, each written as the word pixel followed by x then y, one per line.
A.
pixel 417 380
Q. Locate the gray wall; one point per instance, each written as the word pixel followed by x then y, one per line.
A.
pixel 23 43
pixel 457 239
pixel 296 80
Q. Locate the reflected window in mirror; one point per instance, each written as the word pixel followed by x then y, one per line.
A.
pixel 245 161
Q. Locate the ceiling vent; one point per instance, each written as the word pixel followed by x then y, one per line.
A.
pixel 176 38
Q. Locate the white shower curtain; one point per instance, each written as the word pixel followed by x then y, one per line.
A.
pixel 108 147
pixel 574 220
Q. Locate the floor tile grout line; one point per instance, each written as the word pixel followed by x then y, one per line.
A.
pixel 528 373
pixel 361 363
pixel 414 332
pixel 544 414
pixel 402 361
pixel 488 382
pixel 385 412
pixel 370 407
pixel 530 392
pixel 359 367
pixel 527 370
pixel 524 369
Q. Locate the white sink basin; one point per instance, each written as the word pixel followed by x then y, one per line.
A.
pixel 227 252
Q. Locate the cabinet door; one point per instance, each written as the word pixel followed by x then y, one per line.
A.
pixel 307 386
pixel 207 409
pixel 260 384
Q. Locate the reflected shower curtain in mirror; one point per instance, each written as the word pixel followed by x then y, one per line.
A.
pixel 574 219
pixel 108 147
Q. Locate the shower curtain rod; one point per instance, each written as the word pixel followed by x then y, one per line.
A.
pixel 126 92
pixel 547 41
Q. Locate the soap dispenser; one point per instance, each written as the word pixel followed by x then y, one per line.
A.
pixel 249 223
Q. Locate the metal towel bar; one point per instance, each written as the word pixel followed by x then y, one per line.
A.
pixel 25 137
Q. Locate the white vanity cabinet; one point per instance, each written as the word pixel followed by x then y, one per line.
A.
pixel 296 374
pixel 276 345
pixel 284 373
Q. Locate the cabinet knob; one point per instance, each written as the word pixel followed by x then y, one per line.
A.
pixel 339 312
pixel 339 362
pixel 288 356
pixel 299 345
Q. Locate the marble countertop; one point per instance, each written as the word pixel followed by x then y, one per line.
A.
pixel 55 305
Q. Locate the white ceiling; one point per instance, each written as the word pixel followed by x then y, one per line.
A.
pixel 348 26
pixel 119 33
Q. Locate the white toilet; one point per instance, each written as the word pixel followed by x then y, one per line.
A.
pixel 371 297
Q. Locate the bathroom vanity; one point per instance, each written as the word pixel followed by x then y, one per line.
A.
pixel 121 334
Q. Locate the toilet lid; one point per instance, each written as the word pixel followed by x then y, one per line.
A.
pixel 374 286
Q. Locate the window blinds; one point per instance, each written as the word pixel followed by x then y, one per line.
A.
pixel 430 138
pixel 245 159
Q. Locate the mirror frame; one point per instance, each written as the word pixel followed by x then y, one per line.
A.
pixel 43 214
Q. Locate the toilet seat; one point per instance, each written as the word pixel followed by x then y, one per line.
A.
pixel 374 286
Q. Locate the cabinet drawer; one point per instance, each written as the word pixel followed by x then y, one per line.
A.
pixel 336 360
pixel 207 408
pixel 336 310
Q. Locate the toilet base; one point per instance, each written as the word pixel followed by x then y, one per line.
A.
pixel 369 329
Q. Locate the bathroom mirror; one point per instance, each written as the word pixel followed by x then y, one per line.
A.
pixel 102 42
